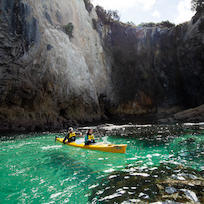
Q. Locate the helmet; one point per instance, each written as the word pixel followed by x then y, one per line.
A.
pixel 70 129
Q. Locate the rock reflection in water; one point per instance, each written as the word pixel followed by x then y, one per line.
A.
pixel 165 183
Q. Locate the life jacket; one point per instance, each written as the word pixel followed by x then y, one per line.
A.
pixel 72 134
pixel 91 137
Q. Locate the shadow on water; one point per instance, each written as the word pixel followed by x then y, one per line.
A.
pixel 67 166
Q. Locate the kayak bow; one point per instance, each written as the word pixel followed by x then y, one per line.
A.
pixel 120 148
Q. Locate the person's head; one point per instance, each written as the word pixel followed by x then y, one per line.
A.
pixel 70 129
pixel 90 131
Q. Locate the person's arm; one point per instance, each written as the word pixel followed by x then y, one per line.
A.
pixel 79 134
pixel 86 138
pixel 66 135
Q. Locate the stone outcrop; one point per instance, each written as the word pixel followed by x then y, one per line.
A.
pixel 48 79
pixel 162 184
pixel 156 69
pixel 60 63
pixel 192 114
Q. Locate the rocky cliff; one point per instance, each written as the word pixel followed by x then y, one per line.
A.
pixel 60 63
pixel 156 69
pixel 46 77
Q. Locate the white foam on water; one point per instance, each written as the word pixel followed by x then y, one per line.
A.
pixel 140 174
pixel 143 195
pixel 93 186
pixel 109 170
pixel 153 168
pixel 121 191
pixel 16 146
pixel 133 187
pixel 51 147
pixel 99 192
pixel 190 195
pixel 79 141
pixel 156 154
pixel 115 127
pixel 125 187
pixel 55 195
pixel 112 176
pixel 191 124
pixel 178 177
pixel 119 166
pixel 111 196
pixel 18 172
pixel 149 156
pixel 88 127
pixel 132 158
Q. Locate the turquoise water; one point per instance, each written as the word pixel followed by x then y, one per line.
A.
pixel 36 169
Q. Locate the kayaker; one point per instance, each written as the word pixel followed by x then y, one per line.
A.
pixel 89 138
pixel 71 136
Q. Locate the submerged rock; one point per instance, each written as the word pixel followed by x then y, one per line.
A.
pixel 160 189
pixel 190 194
pixel 170 190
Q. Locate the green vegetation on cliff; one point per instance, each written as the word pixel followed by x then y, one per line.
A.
pixel 197 5
pixel 107 16
pixel 166 24
pixel 69 29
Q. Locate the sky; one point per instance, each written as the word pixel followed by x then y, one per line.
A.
pixel 142 11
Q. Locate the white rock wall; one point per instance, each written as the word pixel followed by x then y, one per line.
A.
pixel 80 61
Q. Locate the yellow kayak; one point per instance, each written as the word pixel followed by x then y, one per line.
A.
pixel 120 148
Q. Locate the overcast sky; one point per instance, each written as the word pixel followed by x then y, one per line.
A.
pixel 138 11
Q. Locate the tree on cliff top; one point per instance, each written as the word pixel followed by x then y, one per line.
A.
pixel 107 16
pixel 197 5
pixel 162 24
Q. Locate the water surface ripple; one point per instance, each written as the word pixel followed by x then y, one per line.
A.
pixel 36 169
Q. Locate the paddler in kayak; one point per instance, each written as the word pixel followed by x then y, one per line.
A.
pixel 71 136
pixel 89 138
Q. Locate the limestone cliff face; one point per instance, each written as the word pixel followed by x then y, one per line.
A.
pixel 156 69
pixel 47 78
pixel 51 75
